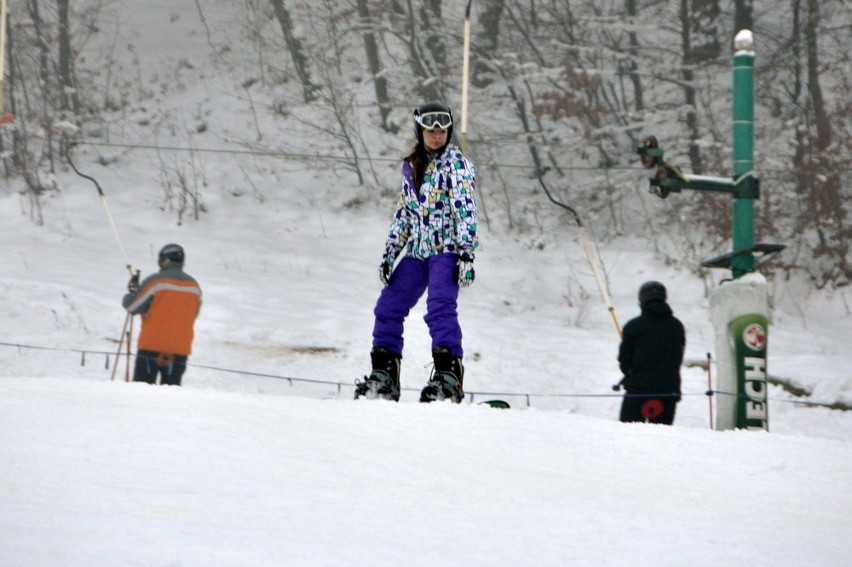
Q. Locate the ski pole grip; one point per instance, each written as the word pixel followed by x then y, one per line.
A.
pixel 133 284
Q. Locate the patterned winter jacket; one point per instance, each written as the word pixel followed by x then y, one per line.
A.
pixel 169 302
pixel 439 216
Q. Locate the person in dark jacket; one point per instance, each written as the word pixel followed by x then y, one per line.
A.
pixel 169 302
pixel 650 357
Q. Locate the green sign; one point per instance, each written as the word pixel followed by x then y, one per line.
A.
pixel 750 334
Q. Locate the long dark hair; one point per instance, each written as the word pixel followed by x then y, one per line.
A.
pixel 418 158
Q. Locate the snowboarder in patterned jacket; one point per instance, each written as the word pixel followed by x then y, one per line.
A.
pixel 650 356
pixel 169 302
pixel 430 248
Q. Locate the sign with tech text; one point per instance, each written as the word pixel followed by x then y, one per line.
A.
pixel 751 334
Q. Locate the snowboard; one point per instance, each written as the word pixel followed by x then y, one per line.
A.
pixel 369 391
pixel 499 404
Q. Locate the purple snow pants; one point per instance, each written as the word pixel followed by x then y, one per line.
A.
pixel 407 283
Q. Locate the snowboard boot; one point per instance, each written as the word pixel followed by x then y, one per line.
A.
pixel 447 378
pixel 383 381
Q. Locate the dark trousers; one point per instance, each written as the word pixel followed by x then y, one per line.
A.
pixel 660 409
pixel 149 363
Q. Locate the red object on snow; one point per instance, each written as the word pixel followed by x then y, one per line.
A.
pixel 652 409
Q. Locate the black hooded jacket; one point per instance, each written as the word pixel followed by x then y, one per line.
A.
pixel 651 351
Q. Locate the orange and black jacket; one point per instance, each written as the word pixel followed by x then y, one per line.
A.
pixel 169 302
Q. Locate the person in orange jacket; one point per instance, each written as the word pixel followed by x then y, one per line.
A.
pixel 169 302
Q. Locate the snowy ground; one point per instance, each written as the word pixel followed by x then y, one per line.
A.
pixel 105 473
pixel 244 467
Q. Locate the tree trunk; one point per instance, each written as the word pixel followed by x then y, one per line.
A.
pixel 429 87
pixel 380 82
pixel 435 43
pixel 638 98
pixel 799 155
pixel 689 88
pixel 300 60
pixel 823 124
pixel 66 80
pixel 43 56
pixel 487 42
pixel 743 15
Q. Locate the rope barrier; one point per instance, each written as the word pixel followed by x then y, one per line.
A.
pixel 472 394
pixel 834 405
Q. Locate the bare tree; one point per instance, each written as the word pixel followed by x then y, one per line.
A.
pixel 823 124
pixel 66 59
pixel 698 19
pixel 743 15
pixel 380 82
pixel 567 85
pixel 406 21
pixel 820 161
pixel 297 53
pixel 631 66
pixel 487 43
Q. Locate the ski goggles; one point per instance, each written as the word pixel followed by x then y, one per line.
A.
pixel 432 120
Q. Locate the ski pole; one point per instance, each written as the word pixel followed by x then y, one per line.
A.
pixel 709 390
pixel 129 340
pixel 465 73
pixel 591 255
pixel 120 344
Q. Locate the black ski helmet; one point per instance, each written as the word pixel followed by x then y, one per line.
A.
pixel 431 107
pixel 651 291
pixel 173 253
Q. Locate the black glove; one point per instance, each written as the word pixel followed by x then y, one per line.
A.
pixel 465 273
pixel 133 284
pixel 386 267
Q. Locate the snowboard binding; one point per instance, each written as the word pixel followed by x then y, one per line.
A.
pixel 442 387
pixel 383 381
pixel 377 385
pixel 446 380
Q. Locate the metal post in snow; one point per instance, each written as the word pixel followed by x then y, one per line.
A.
pixel 739 309
pixel 743 150
pixel 710 388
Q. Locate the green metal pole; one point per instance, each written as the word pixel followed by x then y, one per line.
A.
pixel 743 150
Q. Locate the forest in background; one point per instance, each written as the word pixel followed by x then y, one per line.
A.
pixel 561 93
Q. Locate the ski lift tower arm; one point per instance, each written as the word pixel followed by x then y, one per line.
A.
pixel 669 178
